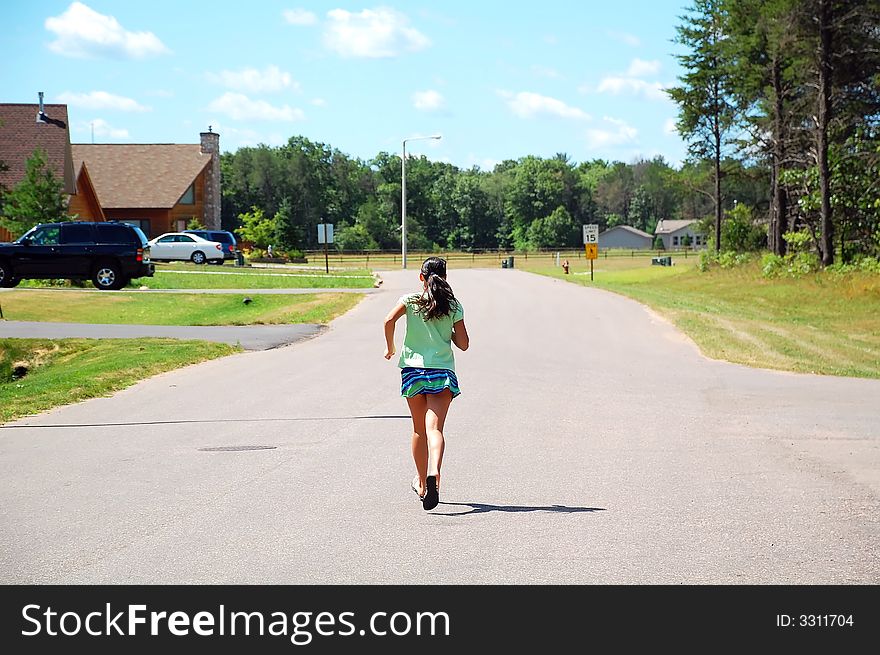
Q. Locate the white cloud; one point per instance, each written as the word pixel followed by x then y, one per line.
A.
pixel 319 102
pixel 634 86
pixel 255 81
pixel 631 82
pixel 618 134
pixel 100 100
pixel 239 107
pixel 641 68
pixel 160 93
pixel 299 17
pixel 101 128
pixel 530 105
pixel 427 100
pixel 669 126
pixel 83 32
pixel 624 37
pixel 373 33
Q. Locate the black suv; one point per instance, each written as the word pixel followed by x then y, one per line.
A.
pixel 226 239
pixel 109 254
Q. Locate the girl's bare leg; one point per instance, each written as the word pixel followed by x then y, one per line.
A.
pixel 418 406
pixel 437 405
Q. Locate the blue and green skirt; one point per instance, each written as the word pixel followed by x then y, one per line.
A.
pixel 427 380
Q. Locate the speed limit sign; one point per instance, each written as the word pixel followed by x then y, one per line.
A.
pixel 591 234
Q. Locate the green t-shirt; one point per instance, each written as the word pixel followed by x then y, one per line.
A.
pixel 428 344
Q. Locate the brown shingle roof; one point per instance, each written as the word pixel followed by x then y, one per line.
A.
pixel 21 134
pixel 141 176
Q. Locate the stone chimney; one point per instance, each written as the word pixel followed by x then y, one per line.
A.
pixel 211 146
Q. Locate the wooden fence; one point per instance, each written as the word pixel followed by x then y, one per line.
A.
pixel 394 256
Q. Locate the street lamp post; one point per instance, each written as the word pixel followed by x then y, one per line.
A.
pixel 403 194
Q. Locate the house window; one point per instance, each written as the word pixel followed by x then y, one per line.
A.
pixel 189 196
pixel 674 241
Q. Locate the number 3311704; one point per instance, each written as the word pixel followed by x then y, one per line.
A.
pixel 814 620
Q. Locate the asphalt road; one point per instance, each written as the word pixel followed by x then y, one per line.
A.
pixel 249 337
pixel 592 443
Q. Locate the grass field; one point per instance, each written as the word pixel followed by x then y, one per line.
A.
pixel 392 261
pixel 64 371
pixel 824 323
pixel 190 276
pixel 174 309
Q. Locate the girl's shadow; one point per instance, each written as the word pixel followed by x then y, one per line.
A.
pixel 480 508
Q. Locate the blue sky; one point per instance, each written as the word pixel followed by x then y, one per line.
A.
pixel 498 80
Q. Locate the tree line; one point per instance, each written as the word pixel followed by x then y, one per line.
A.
pixel 280 194
pixel 792 86
pixel 779 103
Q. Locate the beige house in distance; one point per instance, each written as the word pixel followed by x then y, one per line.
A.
pixel 678 234
pixel 625 236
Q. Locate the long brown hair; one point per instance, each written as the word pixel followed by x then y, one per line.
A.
pixel 438 299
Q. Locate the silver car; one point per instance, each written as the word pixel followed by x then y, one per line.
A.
pixel 179 246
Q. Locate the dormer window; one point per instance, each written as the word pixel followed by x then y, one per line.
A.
pixel 189 196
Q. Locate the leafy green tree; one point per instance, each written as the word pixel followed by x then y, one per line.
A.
pixel 768 71
pixel 256 227
pixel 286 234
pixel 706 111
pixel 477 223
pixel 355 237
pixel 38 198
pixel 740 233
pixel 614 192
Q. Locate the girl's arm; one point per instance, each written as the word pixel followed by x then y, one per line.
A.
pixel 460 335
pixel 398 311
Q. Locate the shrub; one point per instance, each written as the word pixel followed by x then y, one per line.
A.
pixel 772 265
pixel 740 232
pixel 725 260
pixel 799 261
pixel 861 264
pixel 707 258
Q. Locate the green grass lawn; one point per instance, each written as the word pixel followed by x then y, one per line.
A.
pixel 824 323
pixel 190 276
pixel 350 262
pixel 174 309
pixel 64 371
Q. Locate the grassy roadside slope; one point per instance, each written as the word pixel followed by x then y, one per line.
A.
pixel 64 371
pixel 825 323
pixel 174 309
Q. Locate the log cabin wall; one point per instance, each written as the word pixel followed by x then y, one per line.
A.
pixel 186 212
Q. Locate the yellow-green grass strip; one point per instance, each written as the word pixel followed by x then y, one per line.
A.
pixel 64 371
pixel 825 323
